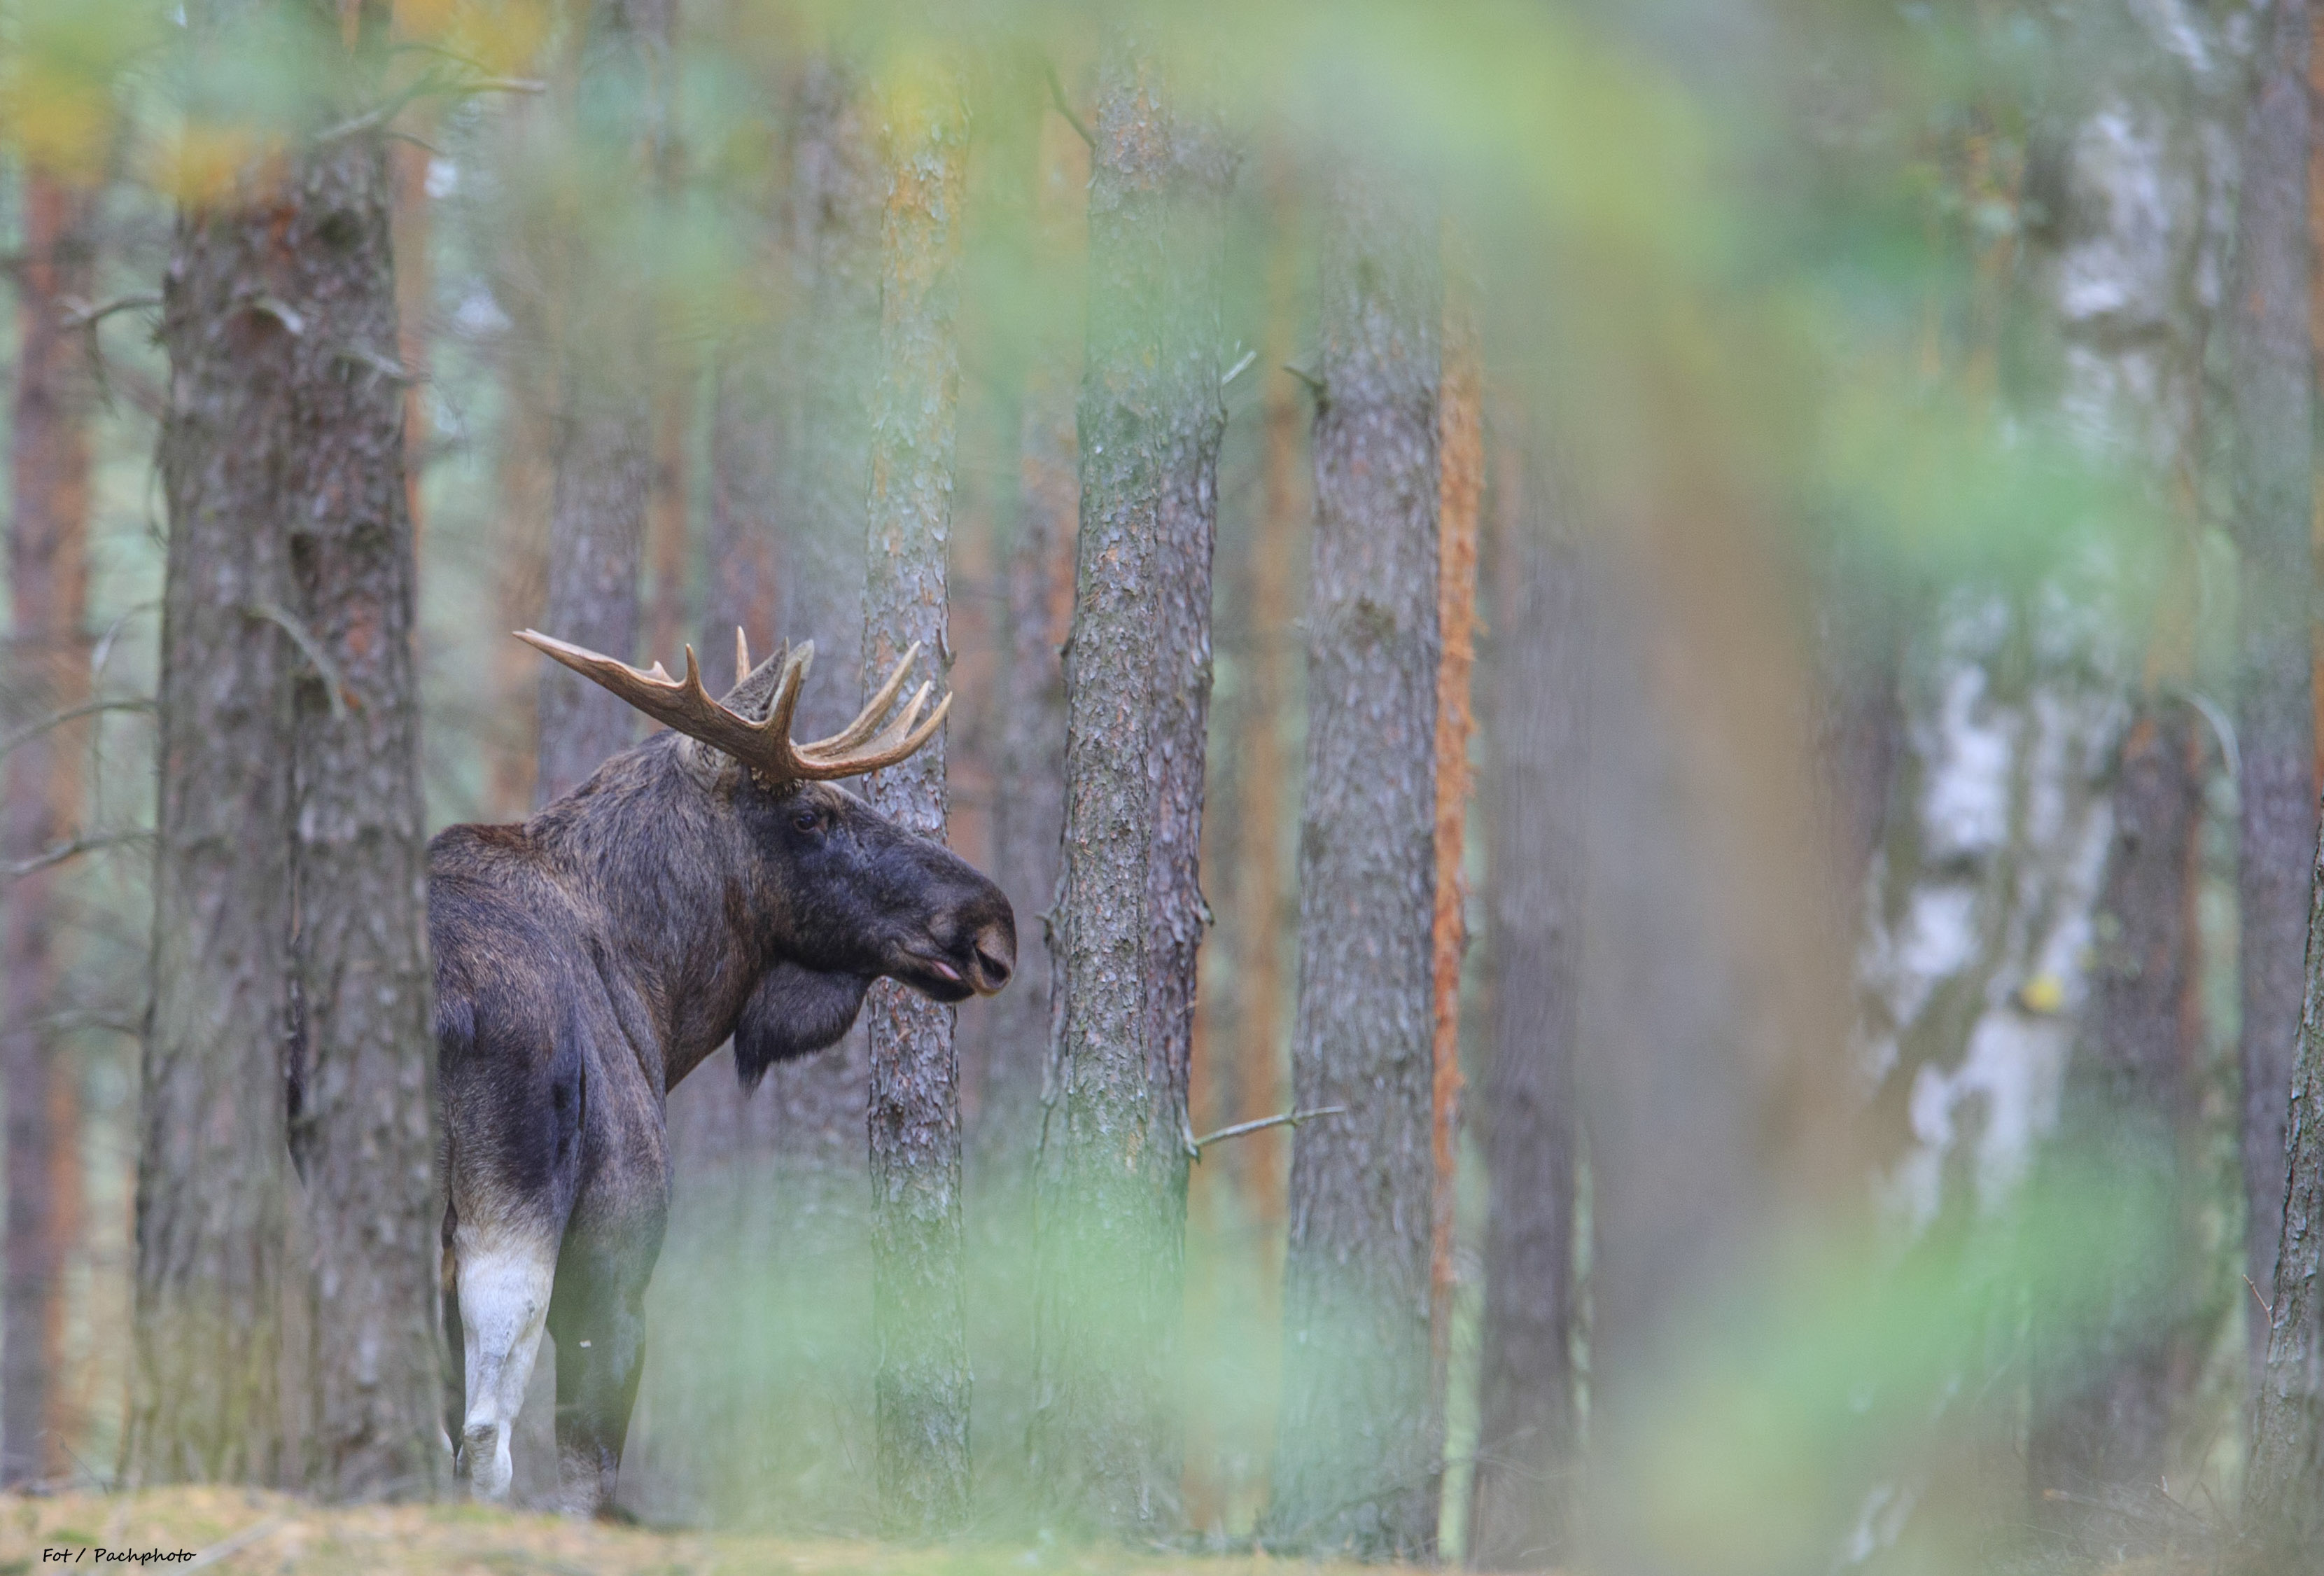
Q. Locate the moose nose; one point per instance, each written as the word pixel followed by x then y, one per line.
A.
pixel 996 957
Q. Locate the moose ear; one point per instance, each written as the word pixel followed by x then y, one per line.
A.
pixel 794 1012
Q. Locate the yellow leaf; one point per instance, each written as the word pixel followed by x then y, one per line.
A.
pixel 2043 995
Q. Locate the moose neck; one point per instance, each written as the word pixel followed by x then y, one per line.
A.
pixel 669 884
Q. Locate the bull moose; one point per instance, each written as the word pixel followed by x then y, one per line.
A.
pixel 710 882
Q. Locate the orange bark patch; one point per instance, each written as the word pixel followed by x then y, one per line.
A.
pixel 1461 463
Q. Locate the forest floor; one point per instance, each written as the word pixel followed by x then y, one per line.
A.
pixel 244 1531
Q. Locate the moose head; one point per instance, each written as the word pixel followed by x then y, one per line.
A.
pixel 830 893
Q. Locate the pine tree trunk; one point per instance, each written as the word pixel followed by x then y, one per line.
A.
pixel 363 1125
pixel 1110 1275
pixel 2283 1491
pixel 525 469
pixel 837 190
pixel 2283 1488
pixel 667 534
pixel 48 584
pixel 918 1314
pixel 212 1173
pixel 1261 876
pixel 1523 1500
pixel 2111 1352
pixel 2273 394
pixel 747 449
pixel 1461 456
pixel 1029 820
pixel 1358 1453
pixel 415 284
pixel 605 439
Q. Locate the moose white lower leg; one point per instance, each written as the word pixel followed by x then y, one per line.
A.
pixel 504 1281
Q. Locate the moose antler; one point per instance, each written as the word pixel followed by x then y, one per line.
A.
pixel 765 746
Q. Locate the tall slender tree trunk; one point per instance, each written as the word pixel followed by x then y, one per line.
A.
pixel 2284 1489
pixel 669 533
pixel 1359 1449
pixel 1110 1271
pixel 2273 392
pixel 605 439
pixel 363 1123
pixel 2111 1352
pixel 1524 1497
pixel 525 478
pixel 1036 252
pixel 48 585
pixel 747 449
pixel 918 1314
pixel 2284 1495
pixel 1262 881
pixel 1460 449
pixel 838 191
pixel 415 284
pixel 212 1172
pixel 1029 819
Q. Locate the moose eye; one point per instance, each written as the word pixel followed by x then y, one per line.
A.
pixel 806 820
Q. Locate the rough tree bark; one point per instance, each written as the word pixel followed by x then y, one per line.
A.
pixel 363 1121
pixel 2273 393
pixel 2283 1493
pixel 212 1172
pixel 1110 1271
pixel 1523 1500
pixel 48 659
pixel 1357 1453
pixel 918 1313
pixel 605 438
pixel 2283 1490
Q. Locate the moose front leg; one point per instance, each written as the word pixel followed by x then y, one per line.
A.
pixel 597 1319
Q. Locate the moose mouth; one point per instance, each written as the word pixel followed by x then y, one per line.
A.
pixel 979 969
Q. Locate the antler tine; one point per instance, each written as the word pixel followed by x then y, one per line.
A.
pixel 867 721
pixel 899 726
pixel 882 753
pixel 679 703
pixel 777 755
pixel 742 655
